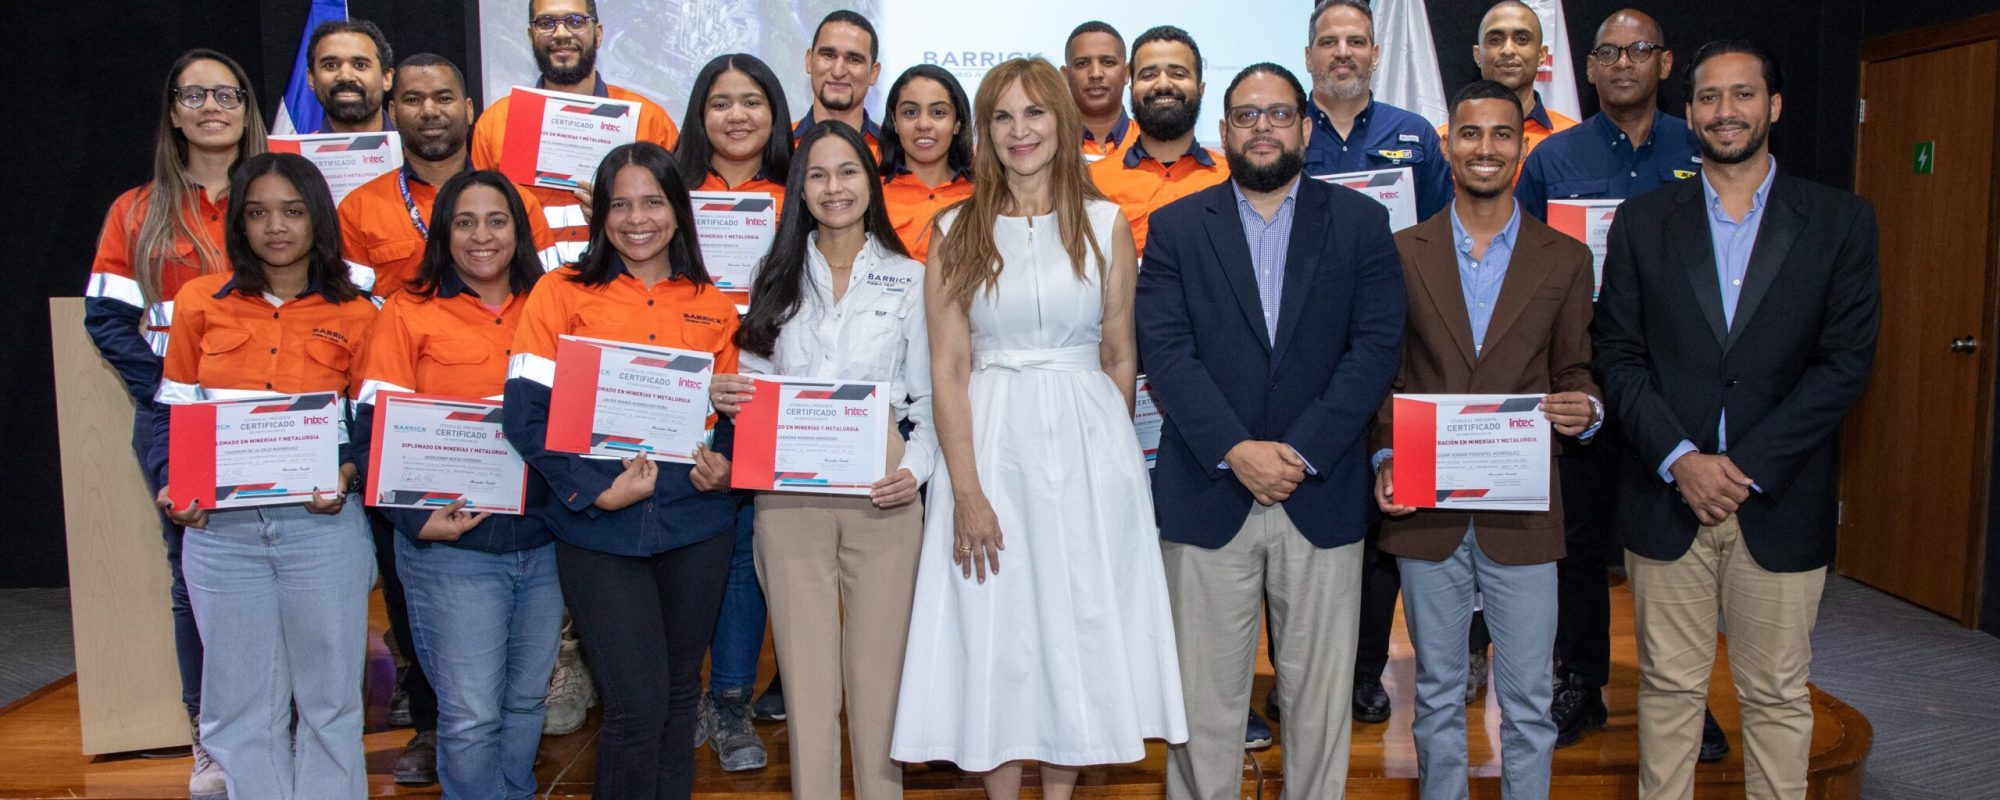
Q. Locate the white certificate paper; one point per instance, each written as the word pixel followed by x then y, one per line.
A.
pixel 260 451
pixel 1471 452
pixel 1589 222
pixel 1146 422
pixel 1395 189
pixel 617 399
pixel 812 435
pixel 557 139
pixel 735 230
pixel 346 160
pixel 431 451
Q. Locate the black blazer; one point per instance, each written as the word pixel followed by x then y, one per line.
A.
pixel 1794 359
pixel 1218 380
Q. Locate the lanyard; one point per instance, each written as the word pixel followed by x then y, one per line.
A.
pixel 403 183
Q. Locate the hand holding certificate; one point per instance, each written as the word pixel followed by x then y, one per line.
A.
pixel 557 139
pixel 260 451
pixel 616 399
pixel 433 451
pixel 812 435
pixel 1471 452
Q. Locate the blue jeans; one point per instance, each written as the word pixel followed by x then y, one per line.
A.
pixel 739 631
pixel 486 627
pixel 1520 610
pixel 187 637
pixel 281 596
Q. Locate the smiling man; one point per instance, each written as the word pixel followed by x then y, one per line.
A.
pixel 1352 131
pixel 349 74
pixel 1165 163
pixel 1509 52
pixel 1094 65
pixel 842 65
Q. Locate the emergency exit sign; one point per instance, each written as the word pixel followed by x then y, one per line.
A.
pixel 1925 159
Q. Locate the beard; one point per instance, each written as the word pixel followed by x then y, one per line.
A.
pixel 1171 122
pixel 352 112
pixel 438 149
pixel 1266 177
pixel 1347 89
pixel 1714 153
pixel 586 63
pixel 836 105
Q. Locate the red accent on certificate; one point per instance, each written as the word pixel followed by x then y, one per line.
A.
pixel 1589 222
pixel 1146 421
pixel 618 399
pixel 812 435
pixel 1471 452
pixel 431 450
pixel 347 160
pixel 1395 188
pixel 556 139
pixel 261 451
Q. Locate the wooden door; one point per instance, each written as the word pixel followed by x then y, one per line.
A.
pixel 1913 481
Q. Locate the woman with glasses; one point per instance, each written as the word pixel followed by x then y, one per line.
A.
pixel 926 152
pixel 157 237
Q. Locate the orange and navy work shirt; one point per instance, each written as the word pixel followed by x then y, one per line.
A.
pixel 1541 123
pixel 563 212
pixel 675 313
pixel 377 230
pixel 1121 136
pixel 912 205
pixel 1141 185
pixel 870 132
pixel 129 330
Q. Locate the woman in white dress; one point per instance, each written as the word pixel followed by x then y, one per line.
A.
pixel 1066 656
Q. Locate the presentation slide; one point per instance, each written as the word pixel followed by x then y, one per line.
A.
pixel 657 46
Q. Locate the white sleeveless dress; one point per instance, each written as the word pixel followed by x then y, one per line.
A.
pixel 1067 654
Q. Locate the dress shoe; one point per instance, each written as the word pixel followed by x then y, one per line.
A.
pixel 1714 745
pixel 1371 701
pixel 1577 710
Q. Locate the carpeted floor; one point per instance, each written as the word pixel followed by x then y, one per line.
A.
pixel 35 643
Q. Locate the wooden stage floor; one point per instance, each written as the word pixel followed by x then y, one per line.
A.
pixel 40 745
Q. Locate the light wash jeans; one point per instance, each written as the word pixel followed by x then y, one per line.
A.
pixel 486 627
pixel 281 597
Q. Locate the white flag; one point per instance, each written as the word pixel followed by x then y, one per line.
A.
pixel 1556 77
pixel 1408 76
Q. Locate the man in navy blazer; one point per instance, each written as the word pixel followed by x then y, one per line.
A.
pixel 1270 316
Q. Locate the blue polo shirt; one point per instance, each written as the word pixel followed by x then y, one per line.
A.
pixel 1596 161
pixel 1383 137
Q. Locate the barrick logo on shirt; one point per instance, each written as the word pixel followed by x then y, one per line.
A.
pixel 330 335
pixel 880 279
pixel 700 319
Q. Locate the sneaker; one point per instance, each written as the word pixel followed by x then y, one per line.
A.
pixel 1475 678
pixel 1577 710
pixel 735 741
pixel 417 766
pixel 399 701
pixel 570 691
pixel 770 707
pixel 1257 734
pixel 206 782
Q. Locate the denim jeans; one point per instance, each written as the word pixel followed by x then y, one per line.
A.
pixel 739 631
pixel 281 596
pixel 485 626
pixel 187 636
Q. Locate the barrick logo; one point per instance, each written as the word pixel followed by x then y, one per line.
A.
pixel 971 58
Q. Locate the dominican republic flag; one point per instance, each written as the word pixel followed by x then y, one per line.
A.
pixel 1556 78
pixel 1408 75
pixel 298 110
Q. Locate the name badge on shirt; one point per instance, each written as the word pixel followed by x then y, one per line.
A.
pixel 1408 137
pixel 1683 174
pixel 1395 155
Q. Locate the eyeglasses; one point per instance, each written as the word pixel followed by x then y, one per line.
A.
pixel 1282 115
pixel 1641 52
pixel 574 22
pixel 195 96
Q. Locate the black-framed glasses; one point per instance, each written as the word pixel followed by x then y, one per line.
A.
pixel 195 96
pixel 1641 52
pixel 574 22
pixel 1281 115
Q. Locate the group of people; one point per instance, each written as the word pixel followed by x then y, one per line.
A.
pixel 982 258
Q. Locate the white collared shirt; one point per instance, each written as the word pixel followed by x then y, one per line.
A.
pixel 875 332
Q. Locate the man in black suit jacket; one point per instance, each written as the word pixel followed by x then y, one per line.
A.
pixel 1270 317
pixel 1735 330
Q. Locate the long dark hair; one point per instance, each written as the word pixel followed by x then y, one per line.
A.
pixel 522 270
pixel 959 156
pixel 171 212
pixel 599 264
pixel 323 264
pixel 693 152
pixel 779 288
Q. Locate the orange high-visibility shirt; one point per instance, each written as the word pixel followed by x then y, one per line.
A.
pixel 674 313
pixel 114 275
pixel 1141 185
pixel 376 230
pixel 715 183
pixel 225 340
pixel 912 205
pixel 1121 136
pixel 448 344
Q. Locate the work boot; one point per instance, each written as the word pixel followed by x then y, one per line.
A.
pixel 735 741
pixel 417 766
pixel 571 692
pixel 206 781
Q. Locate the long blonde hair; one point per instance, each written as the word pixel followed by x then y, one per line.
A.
pixel 968 257
pixel 171 208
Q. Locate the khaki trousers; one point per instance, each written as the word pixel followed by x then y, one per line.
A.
pixel 1771 617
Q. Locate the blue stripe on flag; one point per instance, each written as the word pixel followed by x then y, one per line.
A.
pixel 300 102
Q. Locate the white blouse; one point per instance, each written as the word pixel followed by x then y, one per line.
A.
pixel 875 332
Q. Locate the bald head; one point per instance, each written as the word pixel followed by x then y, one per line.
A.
pixel 1510 46
pixel 1628 84
pixel 1635 21
pixel 1511 11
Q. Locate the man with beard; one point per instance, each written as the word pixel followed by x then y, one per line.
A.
pixel 1270 320
pixel 385 222
pixel 1509 52
pixel 1094 66
pixel 1499 304
pixel 1166 163
pixel 564 35
pixel 1756 296
pixel 842 67
pixel 1352 132
pixel 1628 148
pixel 349 74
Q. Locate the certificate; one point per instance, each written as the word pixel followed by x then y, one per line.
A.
pixel 1146 422
pixel 346 160
pixel 260 451
pixel 735 230
pixel 616 399
pixel 1471 452
pixel 1589 222
pixel 556 139
pixel 812 435
pixel 1395 189
pixel 431 451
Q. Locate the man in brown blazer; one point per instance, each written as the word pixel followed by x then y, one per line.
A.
pixel 1499 303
